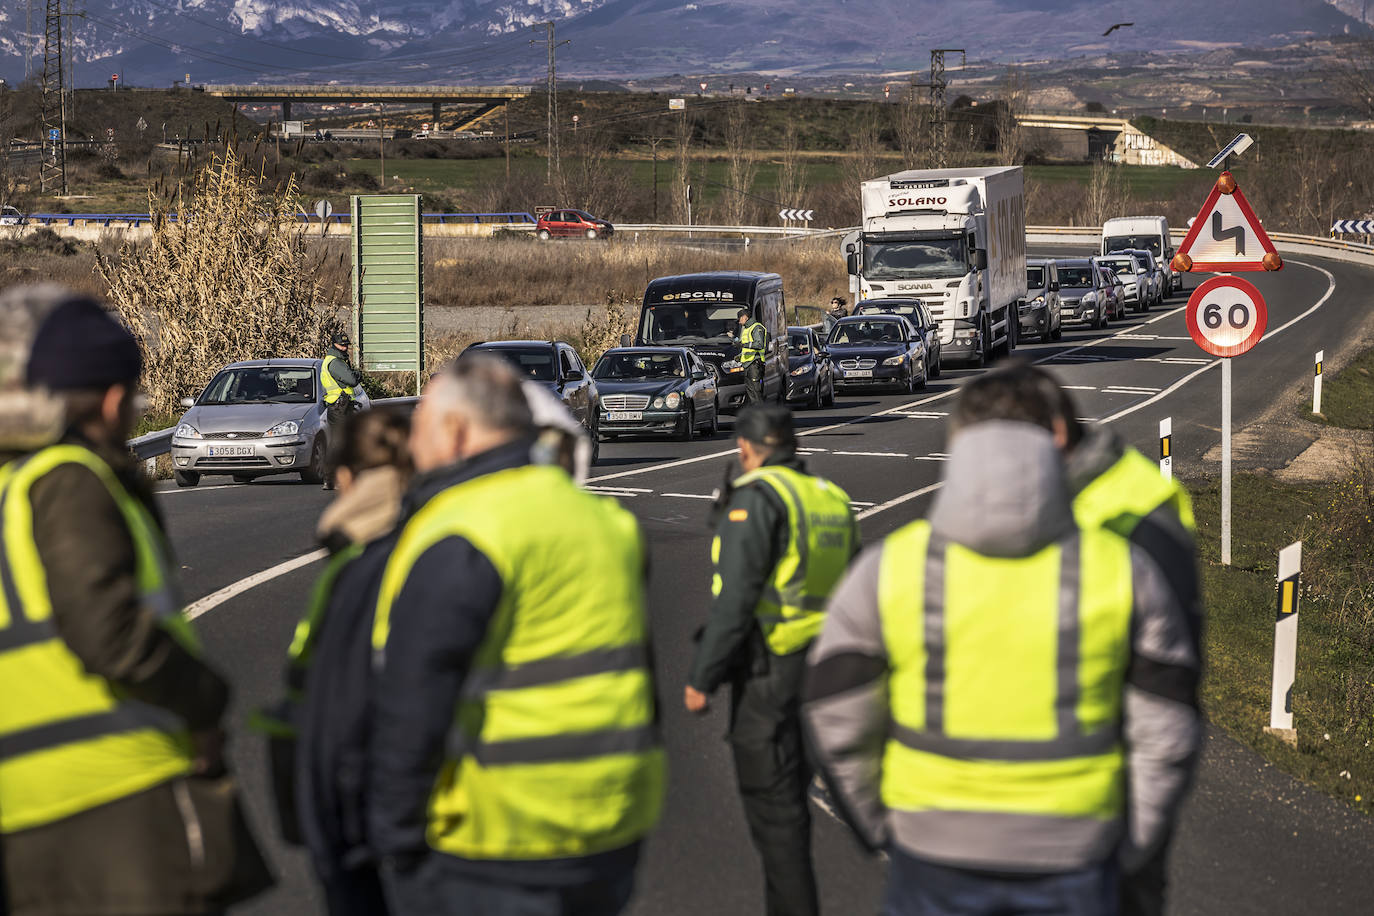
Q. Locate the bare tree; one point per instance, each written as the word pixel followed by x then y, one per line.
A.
pixel 792 169
pixel 915 131
pixel 1353 77
pixel 866 148
pixel 593 177
pixel 743 166
pixel 1011 139
pixel 1106 195
pixel 681 205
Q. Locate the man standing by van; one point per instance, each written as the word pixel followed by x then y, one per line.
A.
pixel 753 343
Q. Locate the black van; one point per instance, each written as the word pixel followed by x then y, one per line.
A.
pixel 701 311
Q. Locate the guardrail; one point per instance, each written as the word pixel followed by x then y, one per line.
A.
pixel 1290 242
pixel 134 220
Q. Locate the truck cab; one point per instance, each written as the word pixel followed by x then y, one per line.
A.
pixel 953 238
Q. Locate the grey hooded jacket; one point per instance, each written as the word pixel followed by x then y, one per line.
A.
pixel 1005 496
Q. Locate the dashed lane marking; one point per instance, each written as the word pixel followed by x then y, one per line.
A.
pixel 688 495
pixel 872 454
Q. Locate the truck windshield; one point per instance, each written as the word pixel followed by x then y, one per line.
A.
pixel 918 258
pixel 690 322
pixel 1150 243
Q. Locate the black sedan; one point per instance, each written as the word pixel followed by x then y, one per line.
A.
pixel 557 367
pixel 877 351
pixel 918 314
pixel 656 391
pixel 810 377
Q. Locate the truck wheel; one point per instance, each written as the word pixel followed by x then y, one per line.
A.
pixel 985 351
pixel 1003 350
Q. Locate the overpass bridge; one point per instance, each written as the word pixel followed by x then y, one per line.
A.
pixel 1106 136
pixel 486 98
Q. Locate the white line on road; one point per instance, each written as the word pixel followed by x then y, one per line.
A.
pixel 215 599
pixel 873 454
pixel 620 489
pixel 1079 387
pixel 688 495
pixel 897 501
pixel 221 486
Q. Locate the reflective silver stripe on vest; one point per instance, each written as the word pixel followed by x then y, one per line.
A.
pixel 567 747
pixel 1069 742
pixel 127 717
pixel 1072 745
pixel 553 670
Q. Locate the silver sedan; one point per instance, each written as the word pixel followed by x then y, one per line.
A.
pixel 255 418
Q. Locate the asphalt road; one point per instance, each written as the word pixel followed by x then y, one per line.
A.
pixel 1252 839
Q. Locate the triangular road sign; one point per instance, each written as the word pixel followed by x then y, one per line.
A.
pixel 1227 236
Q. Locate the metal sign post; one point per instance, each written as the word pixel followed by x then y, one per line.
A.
pixel 1226 317
pixel 1285 646
pixel 1166 448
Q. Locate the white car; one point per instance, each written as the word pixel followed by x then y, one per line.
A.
pixel 12 216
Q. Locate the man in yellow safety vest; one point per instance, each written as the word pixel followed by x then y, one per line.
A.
pixel 1001 697
pixel 753 344
pixel 340 382
pixel 113 795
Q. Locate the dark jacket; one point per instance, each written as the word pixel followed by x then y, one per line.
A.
pixel 438 621
pixel 131 856
pixel 330 761
pixel 754 533
pixel 342 369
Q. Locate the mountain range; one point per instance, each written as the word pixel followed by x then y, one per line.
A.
pixel 153 42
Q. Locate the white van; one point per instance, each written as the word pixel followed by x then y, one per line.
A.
pixel 1150 233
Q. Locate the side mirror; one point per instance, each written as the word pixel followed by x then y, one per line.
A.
pixel 1054 286
pixel 573 375
pixel 188 402
pixel 699 375
pixel 851 264
pixel 980 259
pixel 626 340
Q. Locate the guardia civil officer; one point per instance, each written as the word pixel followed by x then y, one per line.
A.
pixel 113 794
pixel 783 541
pixel 995 697
pixel 753 342
pixel 340 383
pixel 1116 487
pixel 514 761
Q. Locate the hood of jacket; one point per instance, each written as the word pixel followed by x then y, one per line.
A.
pixel 369 509
pixel 1099 449
pixel 1005 493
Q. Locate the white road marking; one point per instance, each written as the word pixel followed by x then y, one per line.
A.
pixel 688 495
pixel 897 501
pixel 1079 387
pixel 620 489
pixel 220 486
pixel 215 599
pixel 873 454
pixel 932 458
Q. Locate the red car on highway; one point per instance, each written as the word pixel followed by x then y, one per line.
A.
pixel 572 224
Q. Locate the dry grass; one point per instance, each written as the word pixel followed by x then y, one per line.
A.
pixel 234 278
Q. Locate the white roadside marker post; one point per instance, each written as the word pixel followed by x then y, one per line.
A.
pixel 1317 383
pixel 1285 646
pixel 1166 448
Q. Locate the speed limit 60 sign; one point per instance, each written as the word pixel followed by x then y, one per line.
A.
pixel 1226 316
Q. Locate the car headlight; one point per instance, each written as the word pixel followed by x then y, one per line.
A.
pixel 657 404
pixel 895 360
pixel 732 365
pixel 1038 300
pixel 187 431
pixel 289 428
pixel 801 370
pixel 673 400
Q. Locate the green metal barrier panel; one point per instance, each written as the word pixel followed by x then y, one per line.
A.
pixel 388 283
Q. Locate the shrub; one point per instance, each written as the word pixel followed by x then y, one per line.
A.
pixel 232 279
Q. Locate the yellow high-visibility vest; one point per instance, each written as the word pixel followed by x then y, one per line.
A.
pixel 332 389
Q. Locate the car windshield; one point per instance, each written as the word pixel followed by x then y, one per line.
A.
pixel 585 215
pixel 800 344
pixel 1035 278
pixel 534 364
pixel 1150 243
pixel 690 322
pixel 630 366
pixel 261 384
pixel 906 311
pixel 1123 268
pixel 917 258
pixel 1076 276
pixel 861 333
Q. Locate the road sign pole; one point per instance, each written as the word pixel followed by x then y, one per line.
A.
pixel 1166 448
pixel 1285 646
pixel 1226 462
pixel 1317 383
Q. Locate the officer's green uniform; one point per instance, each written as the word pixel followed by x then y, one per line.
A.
pixel 70 741
pixel 1005 731
pixel 783 544
pixel 753 346
pixel 554 749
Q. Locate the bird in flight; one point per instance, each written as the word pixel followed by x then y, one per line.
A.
pixel 1119 25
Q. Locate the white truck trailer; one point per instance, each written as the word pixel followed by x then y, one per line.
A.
pixel 955 239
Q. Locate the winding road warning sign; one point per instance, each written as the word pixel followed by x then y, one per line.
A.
pixel 1226 235
pixel 1226 316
